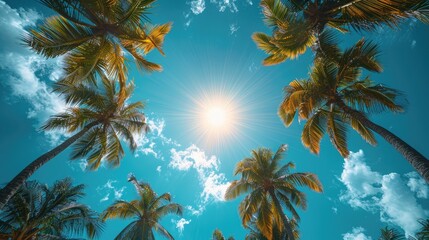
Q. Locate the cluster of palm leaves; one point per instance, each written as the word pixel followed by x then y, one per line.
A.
pixel 92 37
pixel 393 234
pixel 271 188
pixel 336 95
pixel 37 211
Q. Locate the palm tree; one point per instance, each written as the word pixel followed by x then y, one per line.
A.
pixel 146 211
pixel 270 187
pixel 37 211
pixel 100 124
pixel 95 35
pixel 335 96
pixel 390 234
pixel 298 24
pixel 218 235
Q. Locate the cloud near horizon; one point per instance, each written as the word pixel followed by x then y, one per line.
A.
pixel 384 194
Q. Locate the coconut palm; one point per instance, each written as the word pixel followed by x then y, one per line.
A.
pixel 37 211
pixel 298 24
pixel 218 235
pixel 390 234
pixel 99 124
pixel 146 211
pixel 335 95
pixel 95 35
pixel 270 188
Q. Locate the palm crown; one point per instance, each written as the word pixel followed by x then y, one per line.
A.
pixel 146 211
pixel 269 186
pixel 110 122
pixel 37 211
pixel 95 35
pixel 298 24
pixel 331 87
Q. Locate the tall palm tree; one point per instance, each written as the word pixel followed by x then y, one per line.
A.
pixel 335 96
pixel 146 212
pixel 99 122
pixel 390 234
pixel 298 24
pixel 95 35
pixel 37 211
pixel 270 188
pixel 218 235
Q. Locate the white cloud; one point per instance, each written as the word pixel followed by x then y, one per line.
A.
pixel 110 188
pixel 249 2
pixel 335 210
pixel 26 72
pixel 417 185
pixel 198 6
pixel 226 4
pixel 198 211
pixel 233 28
pixel 413 43
pixel 356 234
pixel 158 169
pixel 385 194
pixel 147 144
pixel 180 224
pixel 214 184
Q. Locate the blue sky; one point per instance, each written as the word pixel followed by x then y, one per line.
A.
pixel 210 55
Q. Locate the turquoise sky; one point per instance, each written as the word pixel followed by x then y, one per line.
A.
pixel 210 55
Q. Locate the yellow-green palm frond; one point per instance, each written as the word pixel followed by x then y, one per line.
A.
pixel 363 130
pixel 337 132
pixel 264 221
pixel 155 38
pixel 368 15
pixel 309 180
pixel 57 36
pixel 368 97
pixel 134 12
pixel 237 188
pixel 86 62
pixel 120 209
pixel 276 14
pixel 313 131
pixel 363 54
pixel 265 43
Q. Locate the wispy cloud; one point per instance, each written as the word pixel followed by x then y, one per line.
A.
pixel 109 189
pixel 356 234
pixel 233 28
pixel 214 184
pixel 26 73
pixel 148 144
pixel 197 6
pixel 180 224
pixel 386 194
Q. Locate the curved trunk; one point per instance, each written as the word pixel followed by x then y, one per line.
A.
pixel 287 233
pixel 415 158
pixel 10 189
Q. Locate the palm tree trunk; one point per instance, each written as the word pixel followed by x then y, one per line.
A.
pixel 10 189
pixel 415 158
pixel 287 229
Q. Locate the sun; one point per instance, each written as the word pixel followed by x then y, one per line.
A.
pixel 217 116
